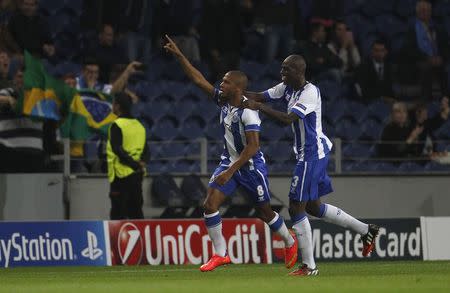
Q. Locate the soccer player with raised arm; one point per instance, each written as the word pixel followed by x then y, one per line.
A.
pixel 242 162
pixel 310 180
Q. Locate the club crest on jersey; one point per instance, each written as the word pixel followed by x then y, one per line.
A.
pixel 235 118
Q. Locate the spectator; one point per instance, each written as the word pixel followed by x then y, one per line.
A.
pixel 180 20
pixel 106 52
pixel 321 62
pixel 137 23
pixel 425 51
pixel 275 20
pixel 374 75
pixel 221 30
pixel 398 135
pixel 30 31
pixel 424 145
pixel 4 69
pixel 343 45
pixel 89 80
pixel 21 138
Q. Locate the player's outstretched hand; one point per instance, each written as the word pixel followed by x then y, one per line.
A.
pixel 171 47
pixel 250 104
pixel 223 177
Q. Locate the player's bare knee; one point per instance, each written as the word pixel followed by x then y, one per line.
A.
pixel 209 206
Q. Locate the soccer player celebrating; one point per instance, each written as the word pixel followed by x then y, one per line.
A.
pixel 310 180
pixel 242 162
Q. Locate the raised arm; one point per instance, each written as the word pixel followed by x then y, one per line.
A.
pixel 258 97
pixel 278 115
pixel 194 75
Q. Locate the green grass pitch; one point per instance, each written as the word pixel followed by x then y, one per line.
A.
pixel 408 276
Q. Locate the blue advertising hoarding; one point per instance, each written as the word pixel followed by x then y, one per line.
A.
pixel 61 243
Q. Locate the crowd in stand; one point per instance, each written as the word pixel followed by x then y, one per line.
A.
pixel 114 34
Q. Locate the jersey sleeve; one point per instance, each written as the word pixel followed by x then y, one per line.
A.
pixel 306 103
pixel 216 96
pixel 251 120
pixel 275 93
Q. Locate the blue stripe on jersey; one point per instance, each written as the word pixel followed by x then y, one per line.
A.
pixel 311 149
pixel 326 149
pixel 253 127
pixel 298 113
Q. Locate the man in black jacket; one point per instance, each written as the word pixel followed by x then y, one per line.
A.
pixel 374 75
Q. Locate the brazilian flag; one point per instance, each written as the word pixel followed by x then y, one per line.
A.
pixel 80 112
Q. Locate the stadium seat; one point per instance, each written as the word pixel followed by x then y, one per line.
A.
pixel 436 167
pixel 165 129
pixel 410 167
pixel 352 6
pixel 192 128
pixel 185 107
pixel 192 149
pixel 374 8
pixel 214 131
pixel 443 132
pixel 329 90
pixel 357 111
pixel 75 6
pixel 171 150
pixel 272 71
pixel 215 149
pixel 271 131
pixel 334 112
pixel 172 71
pixel 379 110
pixel 51 7
pixel 253 70
pixel 371 129
pixel 358 151
pixel 348 130
pixel 156 166
pixel 382 167
pixel 281 167
pixel 389 25
pixel 281 150
pixel 405 8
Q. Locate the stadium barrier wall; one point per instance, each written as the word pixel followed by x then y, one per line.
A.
pixel 162 242
pixel 372 197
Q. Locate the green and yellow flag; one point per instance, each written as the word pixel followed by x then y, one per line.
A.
pixel 81 112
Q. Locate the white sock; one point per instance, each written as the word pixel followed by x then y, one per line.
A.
pixel 278 226
pixel 304 236
pixel 214 226
pixel 337 216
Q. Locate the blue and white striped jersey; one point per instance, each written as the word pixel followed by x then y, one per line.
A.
pixel 310 143
pixel 235 122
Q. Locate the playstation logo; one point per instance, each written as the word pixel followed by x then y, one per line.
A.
pixel 92 251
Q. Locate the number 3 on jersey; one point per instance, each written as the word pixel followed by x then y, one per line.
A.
pixel 294 183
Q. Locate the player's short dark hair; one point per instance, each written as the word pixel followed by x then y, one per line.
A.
pixel 124 101
pixel 240 78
